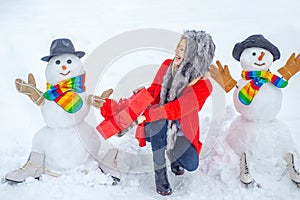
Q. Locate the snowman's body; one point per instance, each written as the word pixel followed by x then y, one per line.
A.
pixel 258 131
pixel 265 105
pixel 267 102
pixel 56 117
pixel 60 140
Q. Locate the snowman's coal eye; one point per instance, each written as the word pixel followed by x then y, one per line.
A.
pixel 57 62
pixel 69 61
pixel 253 54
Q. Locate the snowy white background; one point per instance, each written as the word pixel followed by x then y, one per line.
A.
pixel 29 26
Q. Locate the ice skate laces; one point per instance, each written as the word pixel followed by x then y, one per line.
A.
pixel 293 166
pixel 245 167
pixel 25 166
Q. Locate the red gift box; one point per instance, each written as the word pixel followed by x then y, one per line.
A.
pixel 119 116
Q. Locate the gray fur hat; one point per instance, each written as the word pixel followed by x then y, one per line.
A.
pixel 198 56
pixel 199 53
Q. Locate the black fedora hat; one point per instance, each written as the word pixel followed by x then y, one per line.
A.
pixel 255 41
pixel 61 46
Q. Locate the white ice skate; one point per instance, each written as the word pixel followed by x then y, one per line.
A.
pixel 34 168
pixel 245 176
pixel 109 165
pixel 293 173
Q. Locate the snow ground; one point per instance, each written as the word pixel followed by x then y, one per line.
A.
pixel 27 29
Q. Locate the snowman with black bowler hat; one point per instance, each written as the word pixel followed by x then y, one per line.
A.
pixel 67 141
pixel 258 98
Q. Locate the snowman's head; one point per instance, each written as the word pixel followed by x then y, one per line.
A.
pixel 255 53
pixel 62 67
pixel 256 59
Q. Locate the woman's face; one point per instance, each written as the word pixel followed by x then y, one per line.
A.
pixel 179 52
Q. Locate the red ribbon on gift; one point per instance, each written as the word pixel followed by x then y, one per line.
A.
pixel 120 115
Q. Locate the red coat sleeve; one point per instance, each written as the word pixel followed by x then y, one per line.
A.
pixel 192 99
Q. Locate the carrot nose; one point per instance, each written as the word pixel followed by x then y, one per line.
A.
pixel 63 67
pixel 261 56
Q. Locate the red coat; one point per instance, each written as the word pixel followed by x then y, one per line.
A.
pixel 185 108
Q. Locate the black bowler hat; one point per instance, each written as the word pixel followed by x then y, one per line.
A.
pixel 255 41
pixel 61 46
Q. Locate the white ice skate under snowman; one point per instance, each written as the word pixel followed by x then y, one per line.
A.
pixel 67 141
pixel 257 96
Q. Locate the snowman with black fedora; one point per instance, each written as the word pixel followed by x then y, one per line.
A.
pixel 67 141
pixel 256 133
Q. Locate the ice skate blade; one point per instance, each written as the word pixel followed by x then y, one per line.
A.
pixel 116 180
pixel 297 184
pixel 251 184
pixel 17 182
pixel 10 182
pixel 247 185
pixel 14 182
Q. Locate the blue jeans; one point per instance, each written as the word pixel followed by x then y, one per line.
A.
pixel 184 153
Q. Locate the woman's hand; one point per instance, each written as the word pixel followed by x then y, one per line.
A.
pixel 140 119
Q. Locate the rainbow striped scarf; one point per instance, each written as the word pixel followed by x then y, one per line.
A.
pixel 64 93
pixel 258 78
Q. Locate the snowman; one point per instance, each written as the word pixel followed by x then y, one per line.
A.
pixel 66 141
pixel 258 97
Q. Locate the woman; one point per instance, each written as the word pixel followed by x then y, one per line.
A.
pixel 171 123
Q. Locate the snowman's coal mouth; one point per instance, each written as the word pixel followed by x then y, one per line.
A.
pixel 65 73
pixel 259 64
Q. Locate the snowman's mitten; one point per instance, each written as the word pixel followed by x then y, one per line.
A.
pixel 291 67
pixel 222 76
pixel 97 101
pixel 30 89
